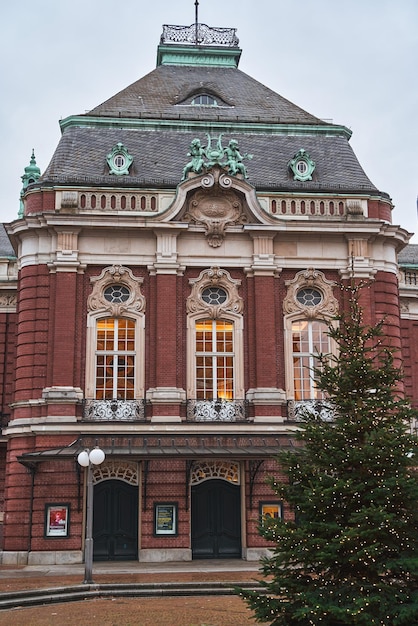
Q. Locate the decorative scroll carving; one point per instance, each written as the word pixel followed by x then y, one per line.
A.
pixel 215 206
pixel 206 470
pixel 8 300
pixel 116 470
pixel 354 207
pixel 199 34
pixel 297 410
pixel 214 277
pixel 114 410
pixel 310 278
pixel 120 275
pixel 217 410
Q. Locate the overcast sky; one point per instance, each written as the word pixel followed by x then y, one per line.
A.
pixel 350 61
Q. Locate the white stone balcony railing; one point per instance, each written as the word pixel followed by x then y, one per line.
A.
pixel 114 410
pixel 408 278
pixel 299 207
pixel 147 202
pixel 112 201
pixel 217 410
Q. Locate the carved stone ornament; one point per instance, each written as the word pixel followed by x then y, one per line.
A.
pixel 217 278
pixel 116 275
pixel 215 206
pixel 310 279
pixel 8 301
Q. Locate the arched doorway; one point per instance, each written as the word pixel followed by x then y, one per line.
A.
pixel 216 511
pixel 115 521
pixel 115 511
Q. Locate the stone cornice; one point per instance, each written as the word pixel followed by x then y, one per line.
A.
pixel 152 124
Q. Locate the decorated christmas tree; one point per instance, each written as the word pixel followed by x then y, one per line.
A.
pixel 350 556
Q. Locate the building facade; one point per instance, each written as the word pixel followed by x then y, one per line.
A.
pixel 164 290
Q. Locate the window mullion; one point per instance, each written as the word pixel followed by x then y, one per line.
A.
pixel 214 361
pixel 115 359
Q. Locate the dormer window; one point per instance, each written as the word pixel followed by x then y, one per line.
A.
pixel 205 100
pixel 302 166
pixel 119 160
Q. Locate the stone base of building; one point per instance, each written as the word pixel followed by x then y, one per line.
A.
pixel 50 557
pixel 255 554
pixel 155 555
pixel 74 557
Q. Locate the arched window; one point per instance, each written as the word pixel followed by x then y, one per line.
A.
pixel 115 359
pixel 309 339
pixel 204 99
pixel 214 360
pixel 308 307
pixel 215 338
pixel 115 355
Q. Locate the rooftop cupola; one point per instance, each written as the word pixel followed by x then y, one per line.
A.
pixel 31 175
pixel 198 44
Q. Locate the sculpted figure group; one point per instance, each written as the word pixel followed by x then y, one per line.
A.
pixel 205 157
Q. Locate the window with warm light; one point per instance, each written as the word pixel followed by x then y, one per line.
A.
pixel 309 338
pixel 214 359
pixel 115 357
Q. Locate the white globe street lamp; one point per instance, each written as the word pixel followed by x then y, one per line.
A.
pixel 88 458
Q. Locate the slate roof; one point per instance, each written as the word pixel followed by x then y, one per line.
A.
pixel 160 148
pixel 409 255
pixel 166 91
pixel 6 249
pixel 159 158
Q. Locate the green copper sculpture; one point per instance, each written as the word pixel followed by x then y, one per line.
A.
pixel 205 157
pixel 302 166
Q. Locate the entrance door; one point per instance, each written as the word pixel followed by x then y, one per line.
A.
pixel 216 520
pixel 115 521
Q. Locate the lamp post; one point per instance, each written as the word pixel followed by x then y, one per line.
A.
pixel 87 459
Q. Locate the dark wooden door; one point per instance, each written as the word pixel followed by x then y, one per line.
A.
pixel 115 521
pixel 216 520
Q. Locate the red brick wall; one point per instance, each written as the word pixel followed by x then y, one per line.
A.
pixel 166 482
pixel 32 332
pixel 40 201
pixel 380 210
pixel 262 319
pixel 7 362
pixel 261 492
pixel 409 335
pixel 54 482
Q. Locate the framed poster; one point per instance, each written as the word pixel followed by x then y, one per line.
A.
pixel 165 518
pixel 270 510
pixel 57 520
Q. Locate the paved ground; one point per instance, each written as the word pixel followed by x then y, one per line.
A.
pixel 119 611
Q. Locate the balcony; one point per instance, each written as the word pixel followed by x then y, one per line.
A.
pixel 114 410
pixel 298 409
pixel 217 410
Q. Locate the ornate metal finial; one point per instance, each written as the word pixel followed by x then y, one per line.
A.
pixel 215 154
pixel 196 18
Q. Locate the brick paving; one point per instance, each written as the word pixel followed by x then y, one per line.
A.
pixel 121 611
